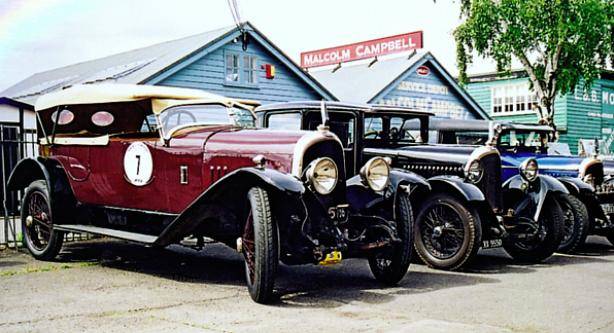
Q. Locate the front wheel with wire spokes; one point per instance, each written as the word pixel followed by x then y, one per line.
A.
pixel 260 247
pixel 448 232
pixel 43 242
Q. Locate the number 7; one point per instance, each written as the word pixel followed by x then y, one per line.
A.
pixel 138 164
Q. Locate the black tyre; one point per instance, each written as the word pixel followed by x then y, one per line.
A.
pixel 547 239
pixel 576 223
pixel 389 266
pixel 42 241
pixel 260 247
pixel 448 234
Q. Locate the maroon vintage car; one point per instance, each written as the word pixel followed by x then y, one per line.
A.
pixel 155 165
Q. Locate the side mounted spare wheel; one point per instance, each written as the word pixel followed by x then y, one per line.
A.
pixel 546 239
pixel 576 223
pixel 448 232
pixel 43 242
pixel 390 264
pixel 260 247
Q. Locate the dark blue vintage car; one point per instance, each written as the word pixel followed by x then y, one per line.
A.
pixel 469 205
pixel 590 182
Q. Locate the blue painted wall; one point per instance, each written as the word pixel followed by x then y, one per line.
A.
pixel 430 92
pixel 208 73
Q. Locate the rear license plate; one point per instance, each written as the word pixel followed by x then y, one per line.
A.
pixel 492 243
pixel 339 213
pixel 608 208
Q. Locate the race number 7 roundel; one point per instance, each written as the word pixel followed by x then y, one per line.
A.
pixel 138 164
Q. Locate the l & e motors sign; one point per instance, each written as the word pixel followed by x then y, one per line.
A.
pixel 362 50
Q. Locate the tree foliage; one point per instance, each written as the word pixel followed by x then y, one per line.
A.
pixel 558 42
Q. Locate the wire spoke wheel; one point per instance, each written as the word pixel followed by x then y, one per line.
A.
pixel 442 231
pixel 249 248
pixel 38 222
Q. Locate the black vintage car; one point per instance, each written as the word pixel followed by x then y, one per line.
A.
pixel 589 208
pixel 469 206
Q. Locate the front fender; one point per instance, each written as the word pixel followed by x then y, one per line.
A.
pixel 362 197
pixel 25 172
pixel 468 191
pixel 537 191
pixel 231 192
pixel 576 186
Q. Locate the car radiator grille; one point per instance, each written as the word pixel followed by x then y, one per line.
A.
pixel 490 184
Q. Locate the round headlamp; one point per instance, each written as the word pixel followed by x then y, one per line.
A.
pixel 474 171
pixel 529 170
pixel 323 175
pixel 376 173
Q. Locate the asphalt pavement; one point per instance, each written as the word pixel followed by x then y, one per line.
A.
pixel 112 286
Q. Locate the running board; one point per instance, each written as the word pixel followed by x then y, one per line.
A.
pixel 126 235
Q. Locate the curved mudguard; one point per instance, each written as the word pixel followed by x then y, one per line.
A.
pixel 238 182
pixel 27 171
pixel 361 196
pixel 586 193
pixel 537 194
pixel 468 191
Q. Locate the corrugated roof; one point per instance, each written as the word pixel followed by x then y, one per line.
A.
pixel 360 82
pixel 128 67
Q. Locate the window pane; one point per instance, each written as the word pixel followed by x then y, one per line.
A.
pixel 285 121
pixel 232 67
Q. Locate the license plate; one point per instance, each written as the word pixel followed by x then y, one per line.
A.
pixel 492 243
pixel 608 208
pixel 339 213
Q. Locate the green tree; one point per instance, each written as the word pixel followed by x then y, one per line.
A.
pixel 558 42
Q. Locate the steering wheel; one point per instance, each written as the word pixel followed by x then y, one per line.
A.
pixel 178 114
pixel 375 134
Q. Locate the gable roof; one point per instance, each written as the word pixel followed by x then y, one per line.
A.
pixel 17 104
pixel 146 65
pixel 362 83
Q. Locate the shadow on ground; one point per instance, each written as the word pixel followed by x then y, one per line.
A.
pixel 297 286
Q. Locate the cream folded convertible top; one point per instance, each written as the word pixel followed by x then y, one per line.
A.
pixel 161 97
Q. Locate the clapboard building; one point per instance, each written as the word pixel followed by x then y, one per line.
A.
pixel 218 61
pixel 581 116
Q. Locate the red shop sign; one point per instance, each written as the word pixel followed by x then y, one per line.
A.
pixel 423 71
pixel 362 50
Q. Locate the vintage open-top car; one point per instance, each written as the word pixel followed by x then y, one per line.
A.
pixel 589 208
pixel 155 165
pixel 469 205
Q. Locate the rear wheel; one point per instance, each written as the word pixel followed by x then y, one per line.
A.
pixel 260 247
pixel 447 234
pixel 43 242
pixel 546 240
pixel 576 225
pixel 390 265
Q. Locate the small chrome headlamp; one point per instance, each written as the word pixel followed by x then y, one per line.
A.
pixel 474 171
pixel 529 170
pixel 322 173
pixel 376 173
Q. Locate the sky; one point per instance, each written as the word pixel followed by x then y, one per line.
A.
pixel 38 35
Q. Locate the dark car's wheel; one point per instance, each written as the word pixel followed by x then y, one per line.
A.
pixel 546 240
pixel 42 241
pixel 448 234
pixel 390 265
pixel 576 223
pixel 260 247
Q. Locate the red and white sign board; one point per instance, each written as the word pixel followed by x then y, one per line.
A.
pixel 362 50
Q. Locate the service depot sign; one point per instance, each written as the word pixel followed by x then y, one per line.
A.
pixel 362 50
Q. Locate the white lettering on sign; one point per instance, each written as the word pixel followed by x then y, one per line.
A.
pixel 362 50
pixel 424 88
pixel 608 98
pixel 581 95
pixel 440 107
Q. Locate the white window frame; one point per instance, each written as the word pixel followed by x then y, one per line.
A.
pixel 503 95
